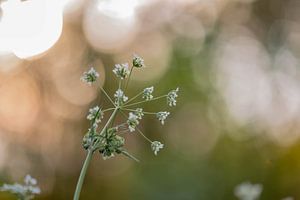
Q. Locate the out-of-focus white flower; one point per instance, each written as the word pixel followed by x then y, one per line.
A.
pixel 90 76
pixel 288 198
pixel 171 97
pixel 120 97
pixel 95 114
pixel 121 70
pixel 248 191
pixel 28 180
pixel 132 121
pixel 26 191
pixel 162 116
pixel 147 93
pixel 156 146
pixel 137 61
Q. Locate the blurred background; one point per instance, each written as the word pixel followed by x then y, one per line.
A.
pixel 236 63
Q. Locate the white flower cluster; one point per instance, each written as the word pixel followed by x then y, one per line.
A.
pixel 137 61
pixel 90 76
pixel 26 191
pixel 121 70
pixel 133 121
pixel 122 104
pixel 147 93
pixel 156 146
pixel 171 97
pixel 120 97
pixel 248 191
pixel 95 114
pixel 162 116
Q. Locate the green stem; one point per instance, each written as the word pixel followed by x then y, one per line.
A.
pixel 82 175
pixel 88 159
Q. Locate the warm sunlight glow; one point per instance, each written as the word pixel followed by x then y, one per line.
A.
pixel 29 28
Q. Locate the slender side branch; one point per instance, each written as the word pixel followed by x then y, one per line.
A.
pixel 108 96
pixel 127 82
pixel 133 98
pixel 156 98
pixel 142 134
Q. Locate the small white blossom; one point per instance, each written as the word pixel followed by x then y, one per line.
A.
pixel 90 76
pixel 26 191
pixel 121 70
pixel 120 97
pixel 171 97
pixel 147 93
pixel 156 146
pixel 137 61
pixel 139 113
pixel 248 191
pixel 95 114
pixel 132 121
pixel 162 116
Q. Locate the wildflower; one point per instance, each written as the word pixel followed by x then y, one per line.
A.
pixel 248 191
pixel 137 61
pixel 171 97
pixel 156 146
pixel 95 114
pixel 162 116
pixel 147 93
pixel 26 191
pixel 121 70
pixel 139 113
pixel 120 97
pixel 90 76
pixel 132 121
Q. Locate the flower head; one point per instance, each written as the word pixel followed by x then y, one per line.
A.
pixel 26 191
pixel 133 121
pixel 95 114
pixel 162 116
pixel 156 146
pixel 248 191
pixel 90 76
pixel 120 97
pixel 171 97
pixel 147 93
pixel 137 61
pixel 121 70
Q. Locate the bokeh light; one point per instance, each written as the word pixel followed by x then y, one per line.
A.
pixel 236 63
